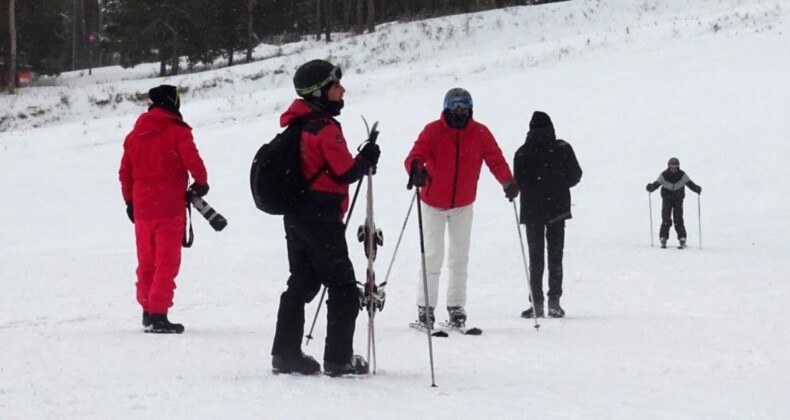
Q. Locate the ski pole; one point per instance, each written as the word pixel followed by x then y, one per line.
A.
pixel 699 221
pixel 526 268
pixel 397 245
pixel 425 284
pixel 650 203
pixel 428 331
pixel 309 335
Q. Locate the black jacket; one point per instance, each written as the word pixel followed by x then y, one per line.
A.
pixel 673 185
pixel 545 169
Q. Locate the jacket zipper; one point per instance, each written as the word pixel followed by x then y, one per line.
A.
pixel 457 164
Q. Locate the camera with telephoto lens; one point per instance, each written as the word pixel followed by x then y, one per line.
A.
pixel 216 220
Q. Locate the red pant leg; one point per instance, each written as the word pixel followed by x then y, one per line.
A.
pixel 164 252
pixel 146 248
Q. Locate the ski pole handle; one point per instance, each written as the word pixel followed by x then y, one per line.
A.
pixel 412 170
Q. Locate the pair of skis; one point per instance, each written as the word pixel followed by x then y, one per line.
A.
pixel 445 328
pixel 373 296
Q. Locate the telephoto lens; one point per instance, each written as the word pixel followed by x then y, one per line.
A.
pixel 214 219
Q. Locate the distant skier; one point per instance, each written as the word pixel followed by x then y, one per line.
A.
pixel 158 156
pixel 450 153
pixel 545 168
pixel 672 182
pixel 315 234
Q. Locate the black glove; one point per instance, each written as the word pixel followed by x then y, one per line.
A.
pixel 699 190
pixel 199 190
pixel 511 190
pixel 370 153
pixel 130 211
pixel 419 176
pixel 649 188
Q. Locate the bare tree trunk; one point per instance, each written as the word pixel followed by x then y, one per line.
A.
pixel 83 34
pixel 318 19
pixel 371 16
pixel 250 33
pixel 162 63
pixel 328 20
pixel 12 41
pixel 346 15
pixel 230 57
pixel 174 59
pixel 358 23
pixel 100 32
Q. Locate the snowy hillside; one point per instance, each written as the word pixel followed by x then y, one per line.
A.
pixel 650 333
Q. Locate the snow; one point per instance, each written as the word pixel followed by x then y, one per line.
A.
pixel 700 333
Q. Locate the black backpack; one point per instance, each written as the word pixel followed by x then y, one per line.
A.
pixel 276 180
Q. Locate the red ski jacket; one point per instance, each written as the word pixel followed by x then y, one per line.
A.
pixel 453 158
pixel 324 149
pixel 157 154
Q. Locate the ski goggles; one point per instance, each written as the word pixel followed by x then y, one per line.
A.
pixel 458 104
pixel 334 77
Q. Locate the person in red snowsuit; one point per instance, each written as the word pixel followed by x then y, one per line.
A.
pixel 159 154
pixel 445 161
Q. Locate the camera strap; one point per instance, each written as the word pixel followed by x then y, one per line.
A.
pixel 189 236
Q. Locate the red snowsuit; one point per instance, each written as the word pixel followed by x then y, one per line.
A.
pixel 453 159
pixel 157 154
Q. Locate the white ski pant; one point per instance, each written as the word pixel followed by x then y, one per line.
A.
pixel 458 225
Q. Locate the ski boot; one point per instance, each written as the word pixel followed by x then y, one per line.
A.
pixel 356 366
pixel 663 242
pixel 161 325
pixel 146 319
pixel 555 311
pixel 425 317
pixel 682 243
pixel 301 365
pixel 536 311
pixel 457 316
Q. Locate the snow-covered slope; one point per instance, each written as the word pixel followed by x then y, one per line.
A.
pixel 650 333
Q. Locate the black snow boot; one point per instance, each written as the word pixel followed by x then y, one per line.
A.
pixel 356 366
pixel 146 319
pixel 424 317
pixel 161 325
pixel 457 316
pixel 301 364
pixel 537 309
pixel 555 311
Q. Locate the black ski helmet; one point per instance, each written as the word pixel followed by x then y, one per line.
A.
pixel 165 95
pixel 313 78
pixel 457 98
pixel 673 162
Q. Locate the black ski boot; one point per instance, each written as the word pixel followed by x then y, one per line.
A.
pixel 538 309
pixel 555 311
pixel 682 243
pixel 457 316
pixel 663 242
pixel 301 364
pixel 423 316
pixel 161 325
pixel 146 319
pixel 356 366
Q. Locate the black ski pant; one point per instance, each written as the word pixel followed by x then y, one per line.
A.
pixel 318 255
pixel 672 209
pixel 542 236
